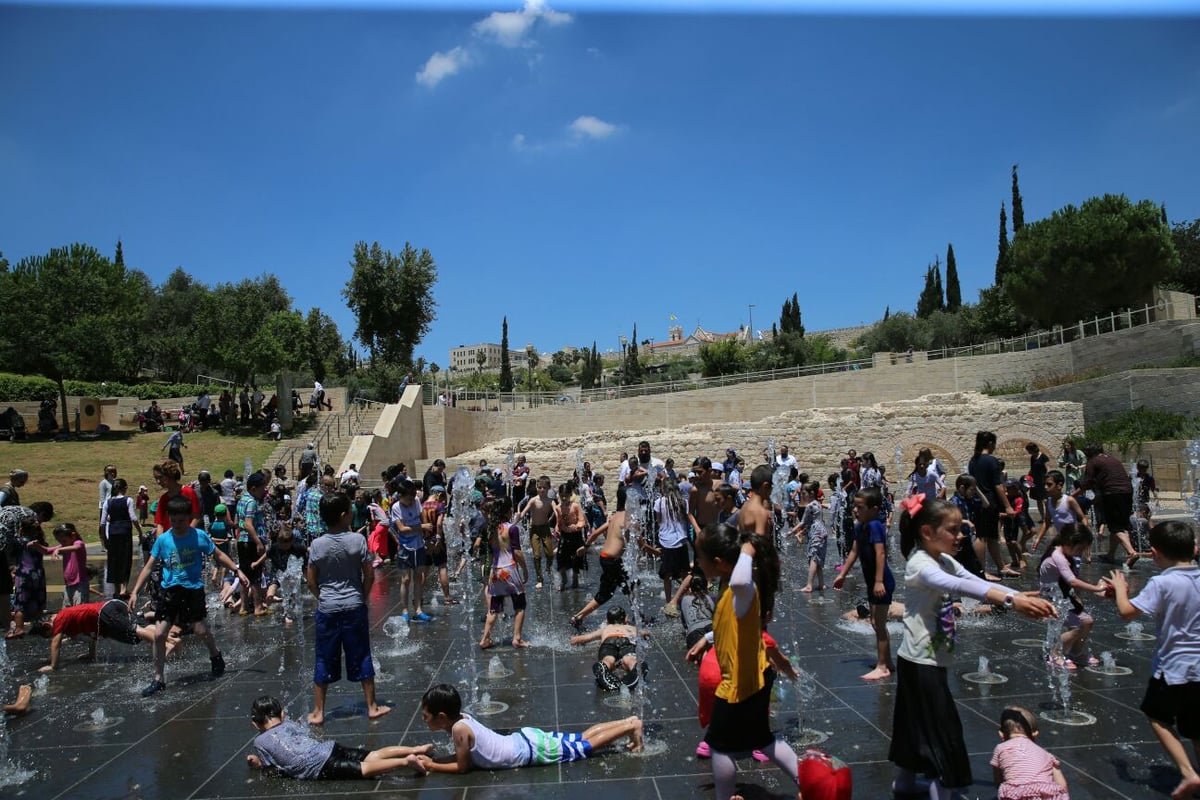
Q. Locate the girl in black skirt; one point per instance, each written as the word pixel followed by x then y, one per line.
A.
pixel 926 730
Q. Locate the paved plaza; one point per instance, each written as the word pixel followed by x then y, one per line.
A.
pixel 191 740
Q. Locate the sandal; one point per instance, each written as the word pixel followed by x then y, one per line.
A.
pixel 1062 663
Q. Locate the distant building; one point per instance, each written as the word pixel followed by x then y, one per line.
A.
pixel 465 358
pixel 679 345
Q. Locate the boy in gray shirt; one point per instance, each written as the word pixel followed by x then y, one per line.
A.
pixel 340 575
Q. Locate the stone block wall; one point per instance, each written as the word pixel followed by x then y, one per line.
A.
pixel 817 437
pixel 1173 390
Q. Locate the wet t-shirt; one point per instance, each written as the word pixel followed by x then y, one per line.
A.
pixel 288 748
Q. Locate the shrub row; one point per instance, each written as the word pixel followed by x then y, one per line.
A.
pixel 16 388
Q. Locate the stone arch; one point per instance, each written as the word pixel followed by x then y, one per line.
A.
pixel 1011 441
pixel 944 449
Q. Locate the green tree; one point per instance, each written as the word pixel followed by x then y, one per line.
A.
pixel 790 320
pixel 1186 238
pixel 1104 255
pixel 895 334
pixel 391 297
pixel 1018 208
pixel 726 357
pixel 634 372
pixel 171 337
pixel 506 374
pixel 1002 249
pixel 250 329
pixel 71 313
pixel 480 360
pixel 930 299
pixel 119 258
pixel 322 345
pixel 953 290
pixel 994 317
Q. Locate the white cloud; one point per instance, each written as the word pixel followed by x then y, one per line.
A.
pixel 511 28
pixel 443 65
pixel 588 127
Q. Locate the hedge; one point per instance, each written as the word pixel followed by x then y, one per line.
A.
pixel 16 388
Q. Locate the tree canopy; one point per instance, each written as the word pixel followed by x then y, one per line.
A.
pixel 1106 254
pixel 391 297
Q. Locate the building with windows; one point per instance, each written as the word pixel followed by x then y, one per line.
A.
pixel 466 358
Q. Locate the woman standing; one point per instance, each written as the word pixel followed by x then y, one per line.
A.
pixel 117 523
pixel 985 469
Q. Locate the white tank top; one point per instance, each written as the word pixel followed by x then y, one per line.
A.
pixel 1061 514
pixel 494 750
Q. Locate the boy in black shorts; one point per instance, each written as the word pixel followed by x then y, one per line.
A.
pixel 618 651
pixel 1172 598
pixel 288 748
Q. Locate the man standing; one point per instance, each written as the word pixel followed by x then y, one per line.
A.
pixel 784 459
pixel 1106 476
pixel 434 476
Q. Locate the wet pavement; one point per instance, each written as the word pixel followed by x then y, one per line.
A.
pixel 190 741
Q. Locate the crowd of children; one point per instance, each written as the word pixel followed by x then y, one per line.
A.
pixel 717 547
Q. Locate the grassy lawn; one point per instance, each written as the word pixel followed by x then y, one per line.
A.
pixel 67 473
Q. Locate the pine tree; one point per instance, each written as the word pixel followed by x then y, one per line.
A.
pixel 953 290
pixel 939 297
pixel 119 258
pixel 1018 208
pixel 506 376
pixel 1002 251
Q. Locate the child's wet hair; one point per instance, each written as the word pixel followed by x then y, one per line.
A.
pixel 265 708
pixel 442 699
pixel 722 541
pixel 616 616
pixel 1057 477
pixel 931 513
pixel 1174 539
pixel 179 505
pixel 333 507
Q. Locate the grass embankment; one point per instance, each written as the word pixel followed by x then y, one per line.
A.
pixel 68 473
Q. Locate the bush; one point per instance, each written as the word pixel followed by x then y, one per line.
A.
pixel 15 388
pixel 1143 425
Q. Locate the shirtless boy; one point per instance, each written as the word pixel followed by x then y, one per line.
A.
pixel 538 516
pixel 704 504
pixel 618 650
pixel 612 571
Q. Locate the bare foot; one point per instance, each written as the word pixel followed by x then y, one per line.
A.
pixel 877 674
pixel 254 761
pixel 636 743
pixel 378 711
pixel 316 718
pixel 418 766
pixel 807 590
pixel 1186 788
pixel 520 643
pixel 24 698
pixel 46 668
pixel 484 644
pixel 821 588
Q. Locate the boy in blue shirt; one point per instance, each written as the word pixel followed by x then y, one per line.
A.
pixel 870 548
pixel 181 551
pixel 1172 598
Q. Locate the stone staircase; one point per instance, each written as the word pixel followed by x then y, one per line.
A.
pixel 332 437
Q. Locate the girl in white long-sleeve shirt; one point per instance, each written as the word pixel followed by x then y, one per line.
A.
pixel 926 730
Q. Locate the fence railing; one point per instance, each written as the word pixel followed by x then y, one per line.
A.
pixel 1059 335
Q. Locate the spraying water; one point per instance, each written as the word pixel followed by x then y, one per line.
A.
pixel 1134 632
pixel 11 774
pixel 1108 666
pixel 984 674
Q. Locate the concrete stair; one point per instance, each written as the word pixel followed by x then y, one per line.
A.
pixel 332 436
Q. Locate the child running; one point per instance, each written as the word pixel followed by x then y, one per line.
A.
pixel 288 748
pixel 612 571
pixel 1061 508
pixel 812 527
pixel 1172 598
pixel 749 564
pixel 1023 770
pixel 1057 574
pixel 870 547
pixel 927 733
pixel 477 746
pixel 508 576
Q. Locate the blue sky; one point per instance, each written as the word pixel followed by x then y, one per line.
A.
pixel 585 167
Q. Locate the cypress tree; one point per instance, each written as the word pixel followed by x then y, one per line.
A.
pixel 1002 250
pixel 506 376
pixel 119 258
pixel 633 367
pixel 887 312
pixel 939 297
pixel 953 290
pixel 785 316
pixel 1018 208
pixel 1163 209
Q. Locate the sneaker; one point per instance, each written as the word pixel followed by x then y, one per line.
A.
pixel 218 665
pixel 671 610
pixel 630 679
pixel 155 687
pixel 406 617
pixel 703 750
pixel 604 677
pixel 421 616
